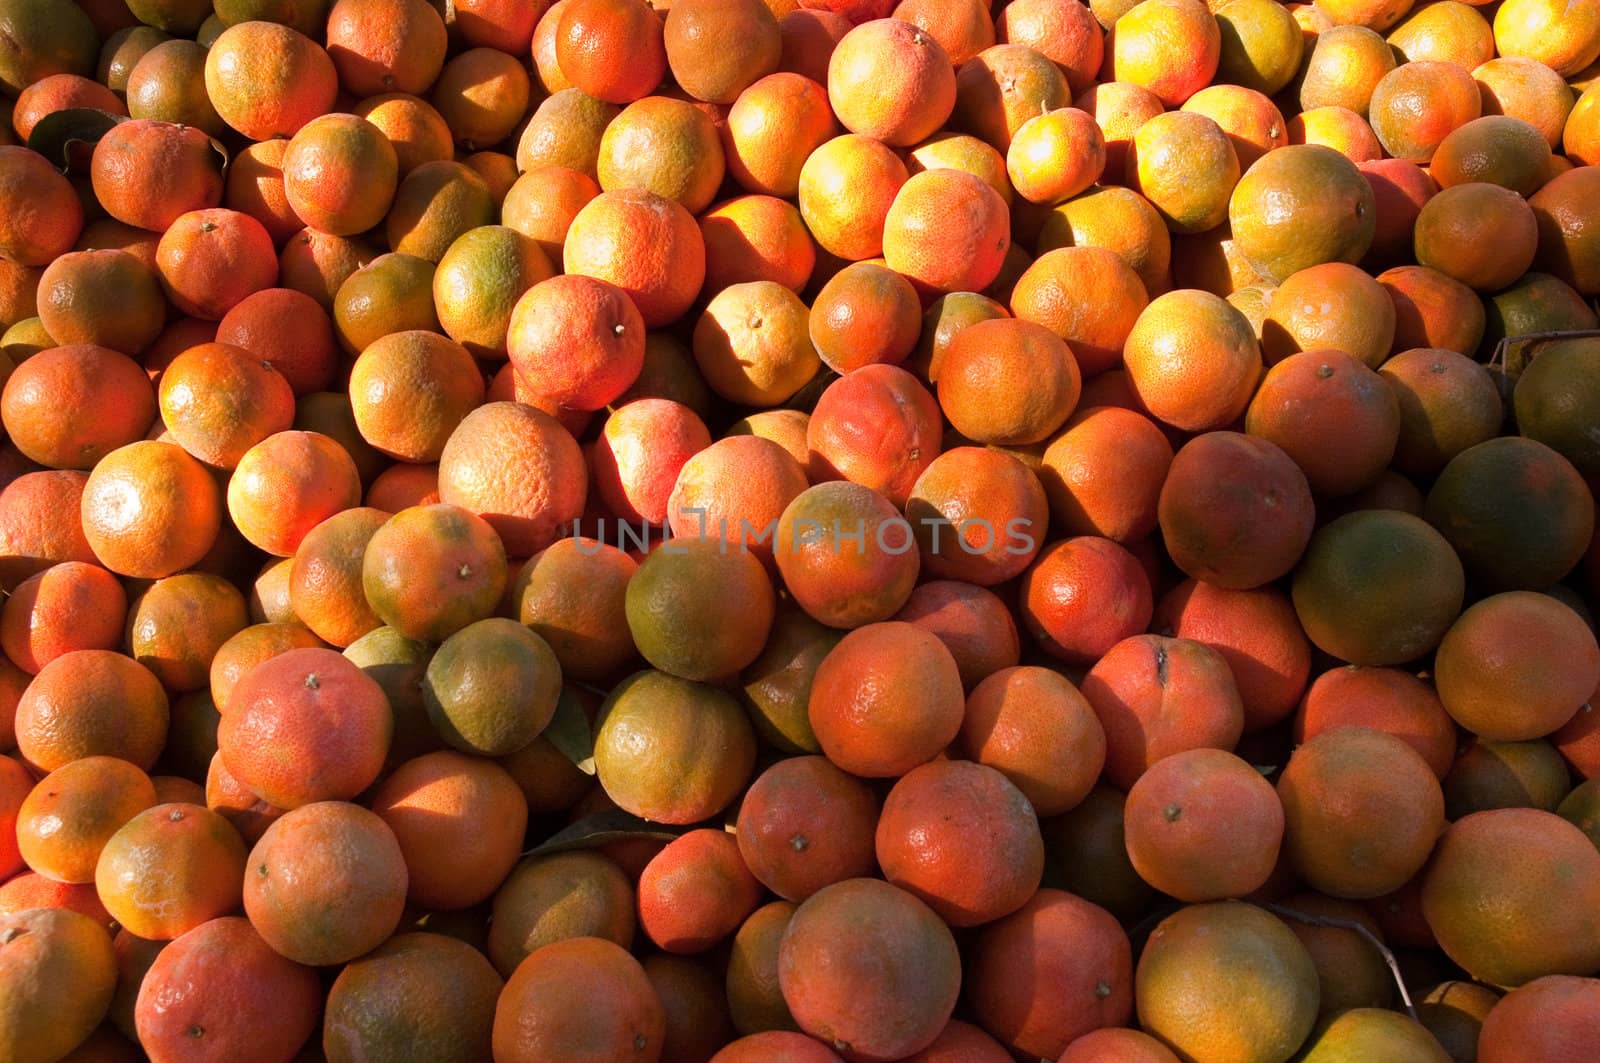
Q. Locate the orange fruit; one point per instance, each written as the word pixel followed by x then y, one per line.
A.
pixel 902 963
pixel 755 999
pixel 414 128
pixel 585 997
pixel 1490 774
pixel 717 49
pixel 1083 595
pixel 1418 104
pixel 1192 359
pixel 254 186
pixel 777 684
pixel 698 756
pixel 518 468
pixel 1119 220
pixel 1527 89
pixel 1261 45
pixel 553 898
pixel 288 330
pixel 148 174
pixel 981 389
pixel 948 315
pixel 756 238
pixel 385 45
pixel 317 264
pixel 865 314
pixel 266 80
pixel 1448 403
pixel 459 822
pixel 543 202
pixel 168 84
pixel 176 626
pixel 47 402
pixel 665 146
pixel 249 647
pixel 417 992
pixel 752 345
pixel 843 585
pixel 887 405
pixel 173 518
pixel 808 37
pixel 1036 729
pixel 972 622
pixel 69 606
pixel 1385 790
pixel 1335 417
pixel 409 391
pixel 1185 165
pixel 339 715
pixel 611 49
pixel 804 825
pixel 200 858
pixel 1251 121
pixel 1133 689
pixel 1116 1045
pixel 1378 587
pixel 1338 128
pixel 1458 227
pixel 325 883
pixel 917 243
pixel 634 482
pixel 71 813
pixel 1486 919
pixel 60 973
pixel 36 236
pixel 772 127
pixel 1516 648
pixel 1399 191
pixel 934 805
pixel 1496 149
pixel 1170 47
pixel 1564 248
pixel 40 523
pixel 1543 1021
pixel 436 203
pixel 571 594
pixel 577 340
pixel 1206 955
pixel 1301 206
pixel 432 570
pixel 1004 86
pixel 210 260
pixel 286 485
pixel 482 94
pixel 1120 108
pixel 31 890
pixel 1433 310
pixel 401 486
pixel 675 608
pixel 990 503
pixel 910 680
pixel 1103 472
pixel 175 1018
pixel 339 174
pixel 218 401
pixel 892 81
pixel 695 892
pixel 1104 876
pixel 662 284
pixel 565 130
pixel 846 189
pixel 325 588
pixel 1203 825
pixel 1517 495
pixel 1067 34
pixel 390 293
pixel 76 287
pixel 1062 942
pixel 1565 41
pixel 962 29
pixel 1383 699
pixel 1256 632
pixel 960 151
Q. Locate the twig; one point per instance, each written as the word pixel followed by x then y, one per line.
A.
pixel 1348 924
pixel 1498 358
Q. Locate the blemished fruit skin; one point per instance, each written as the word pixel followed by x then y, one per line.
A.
pixel 799 531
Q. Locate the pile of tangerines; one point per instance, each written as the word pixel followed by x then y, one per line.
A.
pixel 622 532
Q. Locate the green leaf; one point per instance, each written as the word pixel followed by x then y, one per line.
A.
pixel 67 137
pixel 570 733
pixel 603 828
